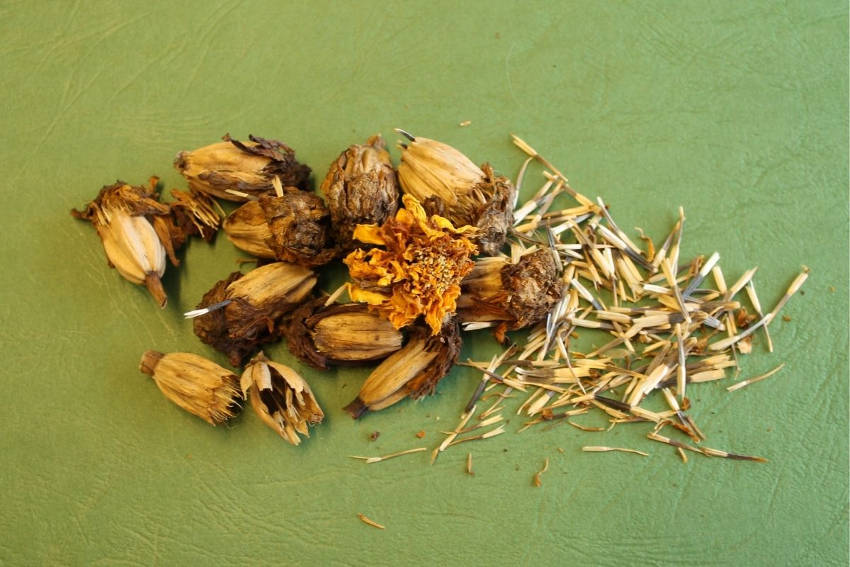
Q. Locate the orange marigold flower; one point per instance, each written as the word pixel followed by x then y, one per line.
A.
pixel 419 269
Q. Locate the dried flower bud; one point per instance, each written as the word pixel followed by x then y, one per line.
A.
pixel 239 313
pixel 299 225
pixel 339 334
pixel 238 171
pixel 449 184
pixel 194 383
pixel 247 229
pixel 517 295
pixel 282 398
pixel 120 213
pixel 418 272
pixel 412 371
pixel 360 188
pixel 191 214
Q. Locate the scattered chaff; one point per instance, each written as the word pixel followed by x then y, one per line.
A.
pixel 755 379
pixel 536 481
pixel 370 522
pixel 469 464
pixel 601 449
pixel 370 460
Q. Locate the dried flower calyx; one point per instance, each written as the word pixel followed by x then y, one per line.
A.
pixel 239 171
pixel 413 371
pixel 360 188
pixel 194 383
pixel 122 215
pixel 321 335
pixel 281 398
pixel 449 184
pixel 516 294
pixel 417 272
pixel 240 313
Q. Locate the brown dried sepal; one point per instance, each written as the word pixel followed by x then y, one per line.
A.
pixel 135 200
pixel 249 319
pixel 243 167
pixel 299 224
pixel 360 188
pixel 518 294
pixel 339 334
pixel 413 371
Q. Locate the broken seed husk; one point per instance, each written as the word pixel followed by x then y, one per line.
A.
pixel 281 398
pixel 412 371
pixel 323 335
pixel 191 214
pixel 230 168
pixel 360 188
pixel 194 383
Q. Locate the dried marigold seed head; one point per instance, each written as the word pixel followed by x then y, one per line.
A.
pixel 413 371
pixel 339 334
pixel 121 214
pixel 417 272
pixel 518 295
pixel 240 313
pixel 447 183
pixel 239 171
pixel 194 383
pixel 281 398
pixel 360 188
pixel 247 229
pixel 299 225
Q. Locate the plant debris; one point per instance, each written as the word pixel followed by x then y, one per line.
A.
pixel 369 522
pixel 360 188
pixel 554 266
pixel 282 398
pixel 194 383
pixel 240 171
pixel 536 480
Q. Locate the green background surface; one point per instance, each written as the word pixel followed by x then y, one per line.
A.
pixel 735 110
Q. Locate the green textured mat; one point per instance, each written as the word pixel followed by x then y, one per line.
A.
pixel 737 111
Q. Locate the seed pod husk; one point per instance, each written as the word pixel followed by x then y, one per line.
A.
pixel 360 188
pixel 190 214
pixel 417 272
pixel 299 225
pixel 247 229
pixel 518 295
pixel 194 383
pixel 246 308
pixel 450 185
pixel 413 371
pixel 246 168
pixel 339 334
pixel 122 215
pixel 281 398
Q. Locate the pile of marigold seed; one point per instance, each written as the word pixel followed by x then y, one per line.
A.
pixel 434 249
